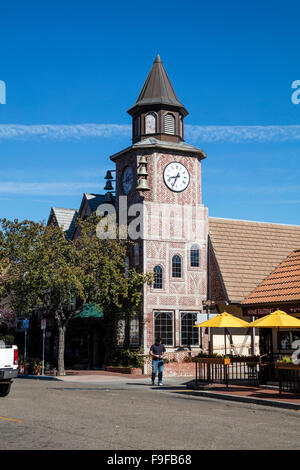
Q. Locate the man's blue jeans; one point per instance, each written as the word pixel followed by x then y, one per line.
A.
pixel 157 365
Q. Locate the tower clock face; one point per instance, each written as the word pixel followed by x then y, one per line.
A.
pixel 176 177
pixel 127 180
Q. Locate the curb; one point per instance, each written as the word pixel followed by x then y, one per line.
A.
pixel 36 377
pixel 238 398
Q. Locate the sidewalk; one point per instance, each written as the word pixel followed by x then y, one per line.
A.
pixel 76 373
pixel 258 395
pixel 86 376
pixel 268 396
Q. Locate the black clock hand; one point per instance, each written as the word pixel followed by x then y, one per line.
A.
pixel 175 178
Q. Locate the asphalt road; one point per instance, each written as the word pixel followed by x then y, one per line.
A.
pixel 131 415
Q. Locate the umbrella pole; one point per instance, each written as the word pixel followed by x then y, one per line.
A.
pixel 253 338
pixel 225 340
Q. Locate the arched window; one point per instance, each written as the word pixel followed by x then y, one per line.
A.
pixel 176 266
pixel 169 123
pixel 150 123
pixel 136 254
pixel 181 126
pixel 136 126
pixel 158 279
pixel 195 256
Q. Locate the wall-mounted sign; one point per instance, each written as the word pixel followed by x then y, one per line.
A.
pixel 261 310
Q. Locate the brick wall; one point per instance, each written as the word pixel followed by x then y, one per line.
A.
pixel 173 369
pixel 185 216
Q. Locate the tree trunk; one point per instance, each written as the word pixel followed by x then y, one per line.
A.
pixel 61 350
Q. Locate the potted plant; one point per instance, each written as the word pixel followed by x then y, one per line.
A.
pixel 247 359
pixel 126 361
pixel 286 363
pixel 188 359
pixel 37 366
pixel 21 365
pixel 215 358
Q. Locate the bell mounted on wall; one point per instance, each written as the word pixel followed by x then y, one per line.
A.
pixel 142 185
pixel 143 160
pixel 142 171
pixel 109 175
pixel 108 186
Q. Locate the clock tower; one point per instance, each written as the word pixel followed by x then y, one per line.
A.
pixel 158 194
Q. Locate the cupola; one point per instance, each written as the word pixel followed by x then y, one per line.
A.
pixel 157 112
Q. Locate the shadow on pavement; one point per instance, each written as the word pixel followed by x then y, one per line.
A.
pixel 160 387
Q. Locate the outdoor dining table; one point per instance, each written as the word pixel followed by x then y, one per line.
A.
pixel 289 373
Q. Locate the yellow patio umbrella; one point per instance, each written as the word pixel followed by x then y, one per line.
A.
pixel 277 319
pixel 223 320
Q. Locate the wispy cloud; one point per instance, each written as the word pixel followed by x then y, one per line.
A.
pixel 252 189
pixel 241 134
pixel 233 134
pixel 47 188
pixel 62 132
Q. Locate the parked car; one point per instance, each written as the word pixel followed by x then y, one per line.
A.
pixel 8 367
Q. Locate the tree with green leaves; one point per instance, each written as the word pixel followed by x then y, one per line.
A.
pixel 106 280
pixel 44 270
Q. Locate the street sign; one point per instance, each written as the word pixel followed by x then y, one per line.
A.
pixel 201 317
pixel 43 324
pixel 25 324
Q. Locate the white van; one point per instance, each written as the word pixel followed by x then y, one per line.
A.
pixel 8 367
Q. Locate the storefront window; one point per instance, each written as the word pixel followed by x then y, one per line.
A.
pixel 287 338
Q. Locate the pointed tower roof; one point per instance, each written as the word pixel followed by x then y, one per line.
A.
pixel 157 90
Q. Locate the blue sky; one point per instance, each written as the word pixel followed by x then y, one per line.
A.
pixel 73 68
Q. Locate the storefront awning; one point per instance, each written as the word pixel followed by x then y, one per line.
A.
pixel 90 311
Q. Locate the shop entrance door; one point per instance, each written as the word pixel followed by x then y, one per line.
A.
pixel 266 350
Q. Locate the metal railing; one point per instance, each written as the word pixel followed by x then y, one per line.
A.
pixel 238 371
pixel 289 380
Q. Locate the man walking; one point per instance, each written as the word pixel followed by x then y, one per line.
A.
pixel 157 351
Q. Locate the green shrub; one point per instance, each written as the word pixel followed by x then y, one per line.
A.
pixel 285 360
pixel 202 354
pixel 127 358
pixel 188 359
pixel 8 339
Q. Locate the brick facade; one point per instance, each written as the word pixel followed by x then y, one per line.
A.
pixel 172 223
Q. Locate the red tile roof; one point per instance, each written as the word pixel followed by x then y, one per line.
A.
pixel 282 285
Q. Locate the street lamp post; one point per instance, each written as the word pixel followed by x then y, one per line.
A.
pixel 43 327
pixel 208 304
